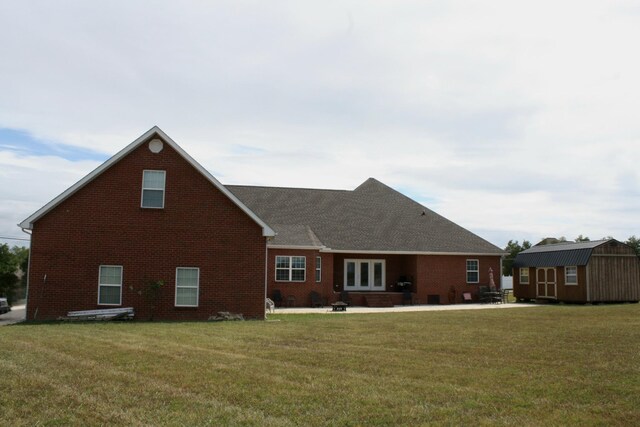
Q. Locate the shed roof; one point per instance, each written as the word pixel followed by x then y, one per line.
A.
pixel 371 218
pixel 558 254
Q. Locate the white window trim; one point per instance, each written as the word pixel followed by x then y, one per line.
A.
pixel 467 271
pixel 371 287
pixel 290 268
pixel 111 286
pixel 197 287
pixel 520 271
pixel 156 189
pixel 318 269
pixel 566 275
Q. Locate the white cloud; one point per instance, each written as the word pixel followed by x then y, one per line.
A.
pixel 523 111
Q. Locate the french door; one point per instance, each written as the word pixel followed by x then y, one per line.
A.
pixel 364 275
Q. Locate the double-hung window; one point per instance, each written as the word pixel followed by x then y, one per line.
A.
pixel 524 275
pixel 473 271
pixel 110 285
pixel 291 268
pixel 153 189
pixel 571 275
pixel 187 286
pixel 318 269
pixel 364 274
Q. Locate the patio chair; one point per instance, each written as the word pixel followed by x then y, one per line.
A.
pixel 407 297
pixel 483 294
pixel 466 297
pixel 277 297
pixel 316 301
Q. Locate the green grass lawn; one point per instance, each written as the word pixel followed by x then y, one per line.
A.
pixel 555 365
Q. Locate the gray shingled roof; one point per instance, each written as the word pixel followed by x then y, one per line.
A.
pixel 373 217
pixel 558 254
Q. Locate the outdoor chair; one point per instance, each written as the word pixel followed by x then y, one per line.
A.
pixel 466 297
pixel 407 297
pixel 277 297
pixel 316 301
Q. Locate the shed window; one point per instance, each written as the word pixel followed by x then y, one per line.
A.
pixel 571 275
pixel 473 271
pixel 110 285
pixel 153 189
pixel 291 268
pixel 524 276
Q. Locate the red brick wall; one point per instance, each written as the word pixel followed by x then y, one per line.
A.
pixel 431 274
pixel 297 293
pixel 103 224
pixel 438 274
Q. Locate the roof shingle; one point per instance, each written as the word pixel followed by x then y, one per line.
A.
pixel 373 217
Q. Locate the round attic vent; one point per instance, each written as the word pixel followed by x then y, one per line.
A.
pixel 155 146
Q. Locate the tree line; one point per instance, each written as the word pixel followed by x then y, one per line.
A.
pixel 13 272
pixel 514 248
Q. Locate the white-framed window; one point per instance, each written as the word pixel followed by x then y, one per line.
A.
pixel 187 286
pixel 291 268
pixel 110 285
pixel 571 275
pixel 153 183
pixel 473 271
pixel 364 274
pixel 524 275
pixel 318 269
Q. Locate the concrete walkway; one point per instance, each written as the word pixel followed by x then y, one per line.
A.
pixel 403 308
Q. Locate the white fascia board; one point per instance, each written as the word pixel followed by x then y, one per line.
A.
pixel 308 248
pixel 368 252
pixel 28 223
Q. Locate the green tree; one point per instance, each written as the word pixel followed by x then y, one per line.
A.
pixel 514 248
pixel 8 272
pixel 582 238
pixel 634 242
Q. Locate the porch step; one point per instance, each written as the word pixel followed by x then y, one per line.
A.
pixel 379 300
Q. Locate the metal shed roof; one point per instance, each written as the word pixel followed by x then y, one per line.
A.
pixel 559 254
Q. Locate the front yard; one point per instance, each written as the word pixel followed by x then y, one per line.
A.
pixel 554 365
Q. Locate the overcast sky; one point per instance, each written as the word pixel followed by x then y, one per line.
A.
pixel 516 120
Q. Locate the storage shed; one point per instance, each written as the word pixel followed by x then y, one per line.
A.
pixel 584 272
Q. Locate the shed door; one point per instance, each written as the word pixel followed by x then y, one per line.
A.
pixel 546 282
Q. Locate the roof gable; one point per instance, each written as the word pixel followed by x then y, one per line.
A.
pixel 154 131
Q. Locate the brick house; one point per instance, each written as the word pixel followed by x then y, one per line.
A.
pixel 151 214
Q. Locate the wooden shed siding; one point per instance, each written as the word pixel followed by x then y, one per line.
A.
pixel 614 278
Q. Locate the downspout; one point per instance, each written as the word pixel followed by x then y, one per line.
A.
pixel 266 274
pixel 26 295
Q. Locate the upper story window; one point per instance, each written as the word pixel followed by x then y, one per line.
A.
pixel 110 285
pixel 571 275
pixel 291 268
pixel 473 271
pixel 153 189
pixel 524 275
